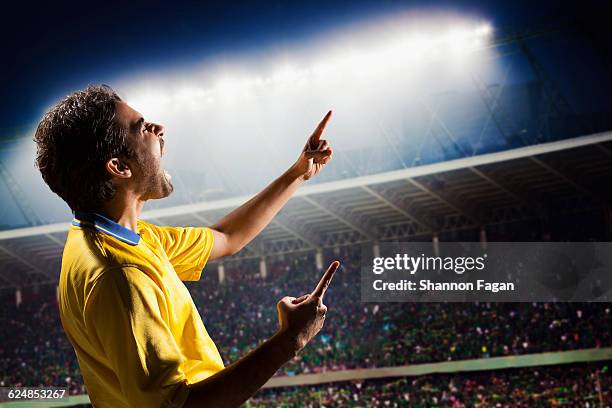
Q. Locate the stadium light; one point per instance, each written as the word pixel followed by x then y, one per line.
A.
pixel 404 51
pixel 364 73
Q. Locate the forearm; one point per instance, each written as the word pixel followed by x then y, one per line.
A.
pixel 236 383
pixel 243 224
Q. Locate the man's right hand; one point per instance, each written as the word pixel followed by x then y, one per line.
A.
pixel 301 318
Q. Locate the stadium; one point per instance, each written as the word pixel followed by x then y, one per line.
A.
pixel 447 129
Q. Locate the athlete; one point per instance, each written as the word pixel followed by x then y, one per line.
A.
pixel 137 334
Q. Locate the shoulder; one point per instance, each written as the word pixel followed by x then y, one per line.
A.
pixel 87 249
pixel 123 283
pixel 150 232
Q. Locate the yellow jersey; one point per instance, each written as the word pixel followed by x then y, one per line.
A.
pixel 137 334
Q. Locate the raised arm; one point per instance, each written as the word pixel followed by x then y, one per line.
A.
pixel 239 227
pixel 300 320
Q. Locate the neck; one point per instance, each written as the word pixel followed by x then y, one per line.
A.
pixel 124 209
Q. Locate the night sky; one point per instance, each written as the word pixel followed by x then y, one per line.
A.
pixel 53 48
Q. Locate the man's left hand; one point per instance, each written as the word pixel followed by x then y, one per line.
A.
pixel 315 154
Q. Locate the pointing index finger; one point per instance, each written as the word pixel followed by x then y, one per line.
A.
pixel 316 135
pixel 325 280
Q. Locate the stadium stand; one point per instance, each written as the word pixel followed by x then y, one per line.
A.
pixel 241 312
pixel 574 385
pixel 533 184
pixel 331 221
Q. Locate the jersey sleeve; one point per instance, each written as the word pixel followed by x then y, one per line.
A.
pixel 126 317
pixel 188 248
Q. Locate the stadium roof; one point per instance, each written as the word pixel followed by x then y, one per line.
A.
pixel 559 177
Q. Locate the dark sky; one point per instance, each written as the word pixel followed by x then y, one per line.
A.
pixel 52 48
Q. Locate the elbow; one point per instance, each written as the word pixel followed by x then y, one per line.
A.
pixel 229 251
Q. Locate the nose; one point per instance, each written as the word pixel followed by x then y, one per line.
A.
pixel 157 129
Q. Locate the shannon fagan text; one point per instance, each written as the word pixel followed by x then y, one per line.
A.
pixel 427 285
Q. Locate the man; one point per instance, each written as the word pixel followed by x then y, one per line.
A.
pixel 136 332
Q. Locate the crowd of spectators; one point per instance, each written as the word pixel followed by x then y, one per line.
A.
pixel 34 350
pixel 241 312
pixel 576 385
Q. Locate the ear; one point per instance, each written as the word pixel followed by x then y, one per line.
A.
pixel 118 168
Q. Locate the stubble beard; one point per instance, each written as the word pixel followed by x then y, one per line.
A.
pixel 156 184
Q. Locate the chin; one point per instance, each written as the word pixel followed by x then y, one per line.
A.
pixel 165 190
pixel 162 190
pixel 167 187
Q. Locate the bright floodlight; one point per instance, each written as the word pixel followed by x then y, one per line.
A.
pixel 370 56
pixel 404 51
pixel 371 75
pixel 412 49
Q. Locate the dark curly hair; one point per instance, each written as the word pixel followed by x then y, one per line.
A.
pixel 75 139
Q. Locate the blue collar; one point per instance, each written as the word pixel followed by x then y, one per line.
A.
pixel 105 225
